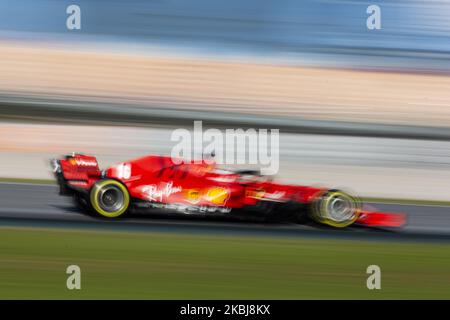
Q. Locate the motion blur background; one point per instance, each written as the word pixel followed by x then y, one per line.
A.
pixel 367 110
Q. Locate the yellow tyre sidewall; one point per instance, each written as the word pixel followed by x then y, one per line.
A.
pixel 94 198
pixel 321 214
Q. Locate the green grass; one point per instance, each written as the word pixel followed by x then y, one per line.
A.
pixel 168 266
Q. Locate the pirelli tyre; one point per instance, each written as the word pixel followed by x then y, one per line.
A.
pixel 109 198
pixel 336 208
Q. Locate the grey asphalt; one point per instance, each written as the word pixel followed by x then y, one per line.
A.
pixel 41 206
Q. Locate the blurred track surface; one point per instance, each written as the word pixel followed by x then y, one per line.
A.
pixel 40 205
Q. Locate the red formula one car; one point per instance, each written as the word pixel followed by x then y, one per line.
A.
pixel 200 188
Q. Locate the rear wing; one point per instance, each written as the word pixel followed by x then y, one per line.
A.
pixel 76 171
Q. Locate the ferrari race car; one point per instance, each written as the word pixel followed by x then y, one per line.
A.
pixel 160 183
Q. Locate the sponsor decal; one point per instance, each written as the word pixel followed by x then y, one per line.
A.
pixel 262 194
pixel 123 171
pixel 78 183
pixel 255 193
pixel 186 209
pixel 277 195
pixel 153 193
pixel 217 195
pixel 193 196
pixel 83 163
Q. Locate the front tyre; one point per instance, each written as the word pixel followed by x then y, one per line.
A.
pixel 336 209
pixel 109 198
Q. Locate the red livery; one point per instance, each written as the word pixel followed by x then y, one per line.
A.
pixel 155 183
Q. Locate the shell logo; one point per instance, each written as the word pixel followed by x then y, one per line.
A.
pixel 218 195
pixel 73 162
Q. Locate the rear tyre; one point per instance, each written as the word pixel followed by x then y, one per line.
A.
pixel 109 198
pixel 336 209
